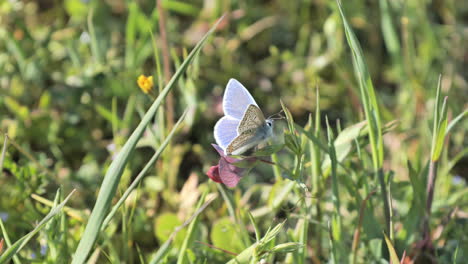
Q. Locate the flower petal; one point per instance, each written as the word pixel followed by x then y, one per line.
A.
pixel 229 174
pixel 213 174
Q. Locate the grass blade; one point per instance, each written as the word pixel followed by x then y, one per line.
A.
pixel 393 255
pixel 7 242
pixel 367 92
pixel 112 177
pixel 4 148
pixel 336 219
pixel 371 110
pixel 457 119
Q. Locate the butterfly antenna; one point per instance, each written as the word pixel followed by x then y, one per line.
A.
pixel 279 116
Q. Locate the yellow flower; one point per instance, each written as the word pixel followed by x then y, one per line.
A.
pixel 145 83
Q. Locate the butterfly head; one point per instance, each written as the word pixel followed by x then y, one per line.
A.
pixel 269 127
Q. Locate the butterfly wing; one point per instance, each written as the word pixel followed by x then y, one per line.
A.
pixel 236 100
pixel 252 120
pixel 225 131
pixel 240 144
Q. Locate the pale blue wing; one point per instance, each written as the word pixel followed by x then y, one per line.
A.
pixel 236 99
pixel 225 131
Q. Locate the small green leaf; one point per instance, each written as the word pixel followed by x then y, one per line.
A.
pixel 225 235
pixel 287 247
pixel 254 224
pixel 440 140
pixel 165 224
pixel 457 119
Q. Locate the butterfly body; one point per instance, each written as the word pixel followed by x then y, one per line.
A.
pixel 244 126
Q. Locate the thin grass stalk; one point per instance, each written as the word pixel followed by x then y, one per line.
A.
pixel 95 50
pixel 114 173
pixel 301 254
pixel 276 168
pixel 125 233
pixel 316 172
pixel 438 135
pixel 160 119
pixel 384 191
pixel 166 62
pixel 65 250
pixel 7 240
pixel 336 219
pixel 4 148
pixel 303 239
pixel 357 232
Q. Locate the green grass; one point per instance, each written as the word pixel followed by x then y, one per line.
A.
pixel 368 166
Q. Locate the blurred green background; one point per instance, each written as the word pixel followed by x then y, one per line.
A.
pixel 69 100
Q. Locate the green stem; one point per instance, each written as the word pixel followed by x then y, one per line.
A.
pixel 383 187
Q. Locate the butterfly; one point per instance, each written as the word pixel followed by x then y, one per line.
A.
pixel 243 125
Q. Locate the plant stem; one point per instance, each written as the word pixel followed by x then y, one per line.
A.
pixel 383 187
pixel 166 63
pixel 430 195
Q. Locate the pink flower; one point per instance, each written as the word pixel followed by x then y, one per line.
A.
pixel 226 171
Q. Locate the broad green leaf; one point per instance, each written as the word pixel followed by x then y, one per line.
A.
pixel 224 234
pixel 165 224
